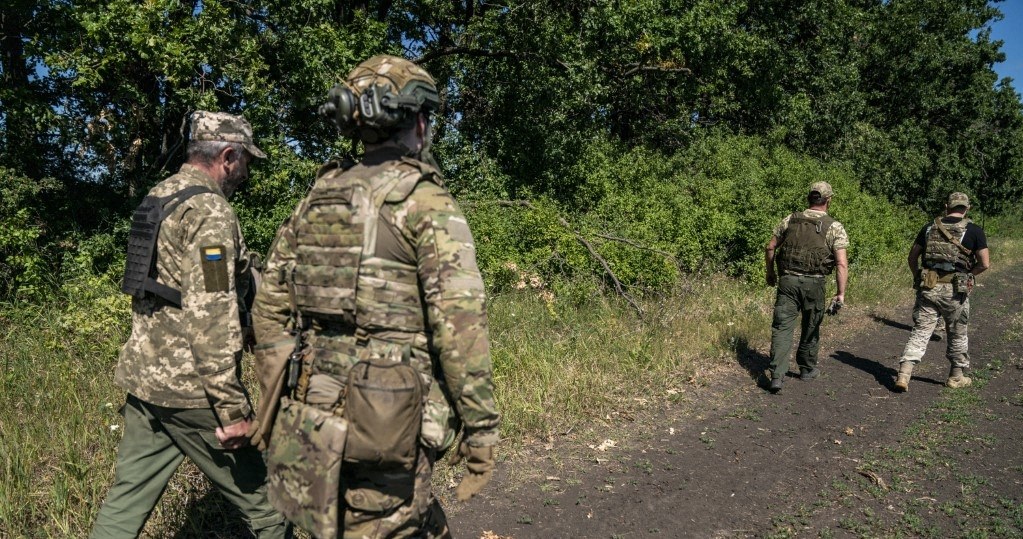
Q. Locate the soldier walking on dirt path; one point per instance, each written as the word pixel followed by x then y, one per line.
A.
pixel 810 245
pixel 374 338
pixel 189 271
pixel 954 251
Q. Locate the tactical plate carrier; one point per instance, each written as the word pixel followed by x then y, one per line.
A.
pixel 140 267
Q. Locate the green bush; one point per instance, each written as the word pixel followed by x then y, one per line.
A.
pixel 24 264
pixel 655 217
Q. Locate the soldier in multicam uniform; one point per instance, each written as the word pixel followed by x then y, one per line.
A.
pixel 181 364
pixel 378 262
pixel 954 251
pixel 811 244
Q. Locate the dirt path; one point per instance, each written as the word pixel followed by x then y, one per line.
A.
pixel 751 464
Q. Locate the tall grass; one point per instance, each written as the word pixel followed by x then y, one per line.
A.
pixel 560 360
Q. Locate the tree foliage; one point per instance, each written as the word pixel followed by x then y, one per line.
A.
pixel 597 109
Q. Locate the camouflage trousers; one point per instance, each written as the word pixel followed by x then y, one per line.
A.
pixel 392 504
pixel 940 305
pixel 155 441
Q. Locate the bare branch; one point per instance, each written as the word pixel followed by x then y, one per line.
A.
pixel 641 68
pixel 487 53
pixel 619 287
pixel 627 241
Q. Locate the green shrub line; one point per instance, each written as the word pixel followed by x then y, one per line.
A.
pixel 684 234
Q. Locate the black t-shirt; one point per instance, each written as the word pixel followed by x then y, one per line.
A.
pixel 974 238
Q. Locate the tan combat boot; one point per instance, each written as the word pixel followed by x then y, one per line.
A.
pixel 957 379
pixel 905 373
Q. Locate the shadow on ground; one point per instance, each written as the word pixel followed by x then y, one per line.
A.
pixel 884 375
pixel 212 517
pixel 755 362
pixel 900 325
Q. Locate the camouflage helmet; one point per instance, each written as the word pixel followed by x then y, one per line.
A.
pixel 381 96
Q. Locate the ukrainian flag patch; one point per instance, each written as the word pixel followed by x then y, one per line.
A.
pixel 214 268
pixel 212 253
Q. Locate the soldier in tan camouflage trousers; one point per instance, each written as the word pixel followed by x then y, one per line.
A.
pixel 181 364
pixel 954 251
pixel 379 259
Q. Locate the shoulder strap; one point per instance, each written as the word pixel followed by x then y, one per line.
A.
pixel 948 237
pixel 170 203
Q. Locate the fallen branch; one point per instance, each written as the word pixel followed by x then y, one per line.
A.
pixel 619 287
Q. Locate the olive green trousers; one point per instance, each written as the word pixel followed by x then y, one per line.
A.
pixel 154 443
pixel 798 297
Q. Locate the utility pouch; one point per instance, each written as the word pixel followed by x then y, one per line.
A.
pixel 303 465
pixel 384 409
pixel 962 283
pixel 928 279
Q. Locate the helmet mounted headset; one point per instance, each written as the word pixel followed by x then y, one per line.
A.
pixel 380 97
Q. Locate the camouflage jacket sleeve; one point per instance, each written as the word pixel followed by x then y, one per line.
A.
pixel 211 244
pixel 271 309
pixel 456 307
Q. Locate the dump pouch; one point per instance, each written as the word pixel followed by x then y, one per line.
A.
pixel 928 279
pixel 303 466
pixel 384 409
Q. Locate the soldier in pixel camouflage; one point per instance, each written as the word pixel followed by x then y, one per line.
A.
pixel 377 263
pixel 954 250
pixel 811 244
pixel 188 270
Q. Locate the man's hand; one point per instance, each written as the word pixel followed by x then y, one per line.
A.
pixel 772 279
pixel 479 466
pixel 235 435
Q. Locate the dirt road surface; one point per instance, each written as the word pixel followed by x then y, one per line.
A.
pixel 741 462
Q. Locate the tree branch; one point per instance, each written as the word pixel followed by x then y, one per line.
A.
pixel 642 68
pixel 619 287
pixel 487 53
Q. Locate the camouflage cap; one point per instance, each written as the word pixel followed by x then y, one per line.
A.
pixel 224 127
pixel 824 188
pixel 958 199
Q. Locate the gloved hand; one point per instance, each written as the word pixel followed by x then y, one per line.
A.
pixel 479 465
pixel 836 305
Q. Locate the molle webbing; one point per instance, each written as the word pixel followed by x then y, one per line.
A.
pixel 338 278
pixel 804 247
pixel 944 250
pixel 140 266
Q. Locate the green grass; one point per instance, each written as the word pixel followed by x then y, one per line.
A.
pixel 558 364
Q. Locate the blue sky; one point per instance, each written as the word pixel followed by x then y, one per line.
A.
pixel 1010 30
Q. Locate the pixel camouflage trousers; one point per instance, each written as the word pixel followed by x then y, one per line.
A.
pixel 940 303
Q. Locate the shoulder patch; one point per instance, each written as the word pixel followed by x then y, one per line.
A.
pixel 214 268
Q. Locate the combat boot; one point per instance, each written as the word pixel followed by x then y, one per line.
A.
pixel 957 379
pixel 905 373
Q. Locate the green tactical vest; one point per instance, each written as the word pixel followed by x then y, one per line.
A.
pixel 941 254
pixel 804 247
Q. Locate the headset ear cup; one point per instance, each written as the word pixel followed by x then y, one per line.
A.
pixel 340 108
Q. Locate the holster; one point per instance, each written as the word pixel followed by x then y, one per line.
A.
pixel 271 366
